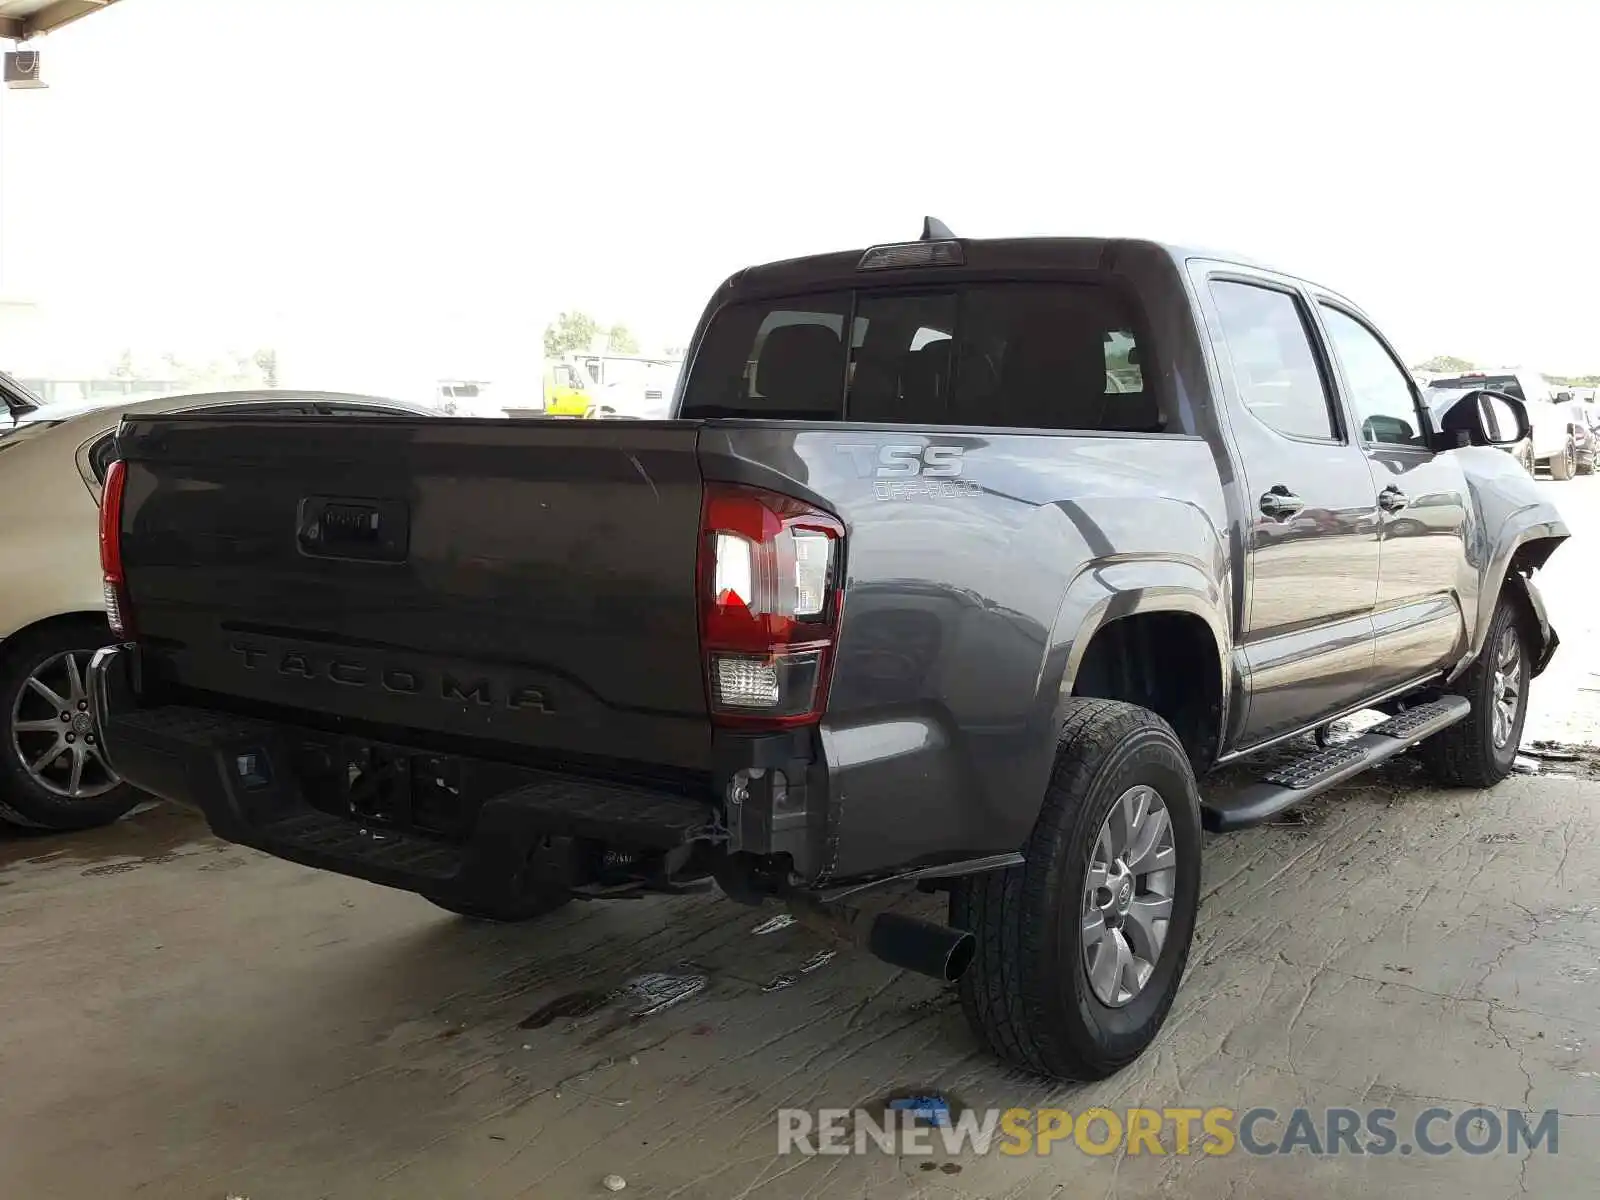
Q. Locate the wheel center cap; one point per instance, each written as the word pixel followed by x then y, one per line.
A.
pixel 82 724
pixel 1125 895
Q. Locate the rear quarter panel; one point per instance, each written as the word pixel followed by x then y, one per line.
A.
pixel 49 531
pixel 968 600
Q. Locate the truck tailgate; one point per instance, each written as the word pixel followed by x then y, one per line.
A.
pixel 526 582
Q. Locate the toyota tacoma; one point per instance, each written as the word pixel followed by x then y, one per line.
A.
pixel 961 564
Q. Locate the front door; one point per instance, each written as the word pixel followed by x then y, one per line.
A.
pixel 1312 541
pixel 1422 496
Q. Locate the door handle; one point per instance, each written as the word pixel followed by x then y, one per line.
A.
pixel 1280 503
pixel 1392 499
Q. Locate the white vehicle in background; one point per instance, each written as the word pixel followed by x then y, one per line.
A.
pixel 53 459
pixel 640 388
pixel 1560 432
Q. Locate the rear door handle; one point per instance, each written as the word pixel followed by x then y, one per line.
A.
pixel 1280 503
pixel 1392 499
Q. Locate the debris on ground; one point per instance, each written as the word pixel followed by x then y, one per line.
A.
pixel 774 924
pixel 787 979
pixel 614 1183
pixel 566 1084
pixel 651 993
pixel 932 1108
pixel 1549 752
pixel 1293 818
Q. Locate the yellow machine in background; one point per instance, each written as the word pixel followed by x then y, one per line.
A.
pixel 566 388
pixel 577 385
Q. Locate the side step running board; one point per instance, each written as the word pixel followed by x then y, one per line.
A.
pixel 1299 779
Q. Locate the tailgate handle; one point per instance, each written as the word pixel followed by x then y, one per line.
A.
pixel 337 527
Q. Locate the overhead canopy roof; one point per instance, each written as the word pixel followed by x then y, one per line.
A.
pixel 22 19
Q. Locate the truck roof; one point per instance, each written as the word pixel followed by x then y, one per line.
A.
pixel 1002 255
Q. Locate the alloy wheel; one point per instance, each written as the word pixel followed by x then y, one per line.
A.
pixel 1509 686
pixel 1127 896
pixel 54 732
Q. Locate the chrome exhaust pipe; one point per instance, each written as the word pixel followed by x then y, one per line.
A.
pixel 909 943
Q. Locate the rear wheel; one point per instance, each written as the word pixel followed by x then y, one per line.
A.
pixel 1479 750
pixel 53 770
pixel 1080 951
pixel 1563 465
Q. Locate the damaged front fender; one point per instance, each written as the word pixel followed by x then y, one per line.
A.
pixel 1523 586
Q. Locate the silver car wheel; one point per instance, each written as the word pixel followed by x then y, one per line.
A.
pixel 54 732
pixel 1509 686
pixel 1127 896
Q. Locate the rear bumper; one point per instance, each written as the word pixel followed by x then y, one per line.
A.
pixel 774 796
pixel 241 774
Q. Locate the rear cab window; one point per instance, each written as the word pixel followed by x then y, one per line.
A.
pixel 1508 384
pixel 1049 356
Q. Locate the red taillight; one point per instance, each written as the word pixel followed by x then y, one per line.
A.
pixel 770 595
pixel 118 613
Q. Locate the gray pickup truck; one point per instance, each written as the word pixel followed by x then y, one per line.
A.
pixel 960 564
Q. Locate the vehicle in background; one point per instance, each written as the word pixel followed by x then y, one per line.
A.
pixel 943 594
pixel 577 384
pixel 645 394
pixel 1556 423
pixel 1585 444
pixel 565 390
pixel 53 461
pixel 465 398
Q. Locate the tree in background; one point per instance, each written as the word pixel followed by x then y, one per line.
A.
pixel 568 332
pixel 1444 364
pixel 620 340
pixel 266 361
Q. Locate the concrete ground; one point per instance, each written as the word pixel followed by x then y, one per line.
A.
pixel 185 1018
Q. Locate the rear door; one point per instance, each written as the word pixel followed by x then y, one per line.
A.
pixel 1313 538
pixel 1422 496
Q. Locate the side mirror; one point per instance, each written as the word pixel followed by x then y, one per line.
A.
pixel 1485 418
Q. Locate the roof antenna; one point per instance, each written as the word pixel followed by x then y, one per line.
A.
pixel 935 230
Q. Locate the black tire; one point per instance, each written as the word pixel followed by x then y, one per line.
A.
pixel 1027 993
pixel 1561 465
pixel 24 800
pixel 526 909
pixel 1467 754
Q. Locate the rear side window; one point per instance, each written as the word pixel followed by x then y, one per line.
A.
pixel 1496 383
pixel 1046 356
pixel 1274 367
pixel 1031 356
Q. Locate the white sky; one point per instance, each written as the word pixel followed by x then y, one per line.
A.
pixel 376 186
